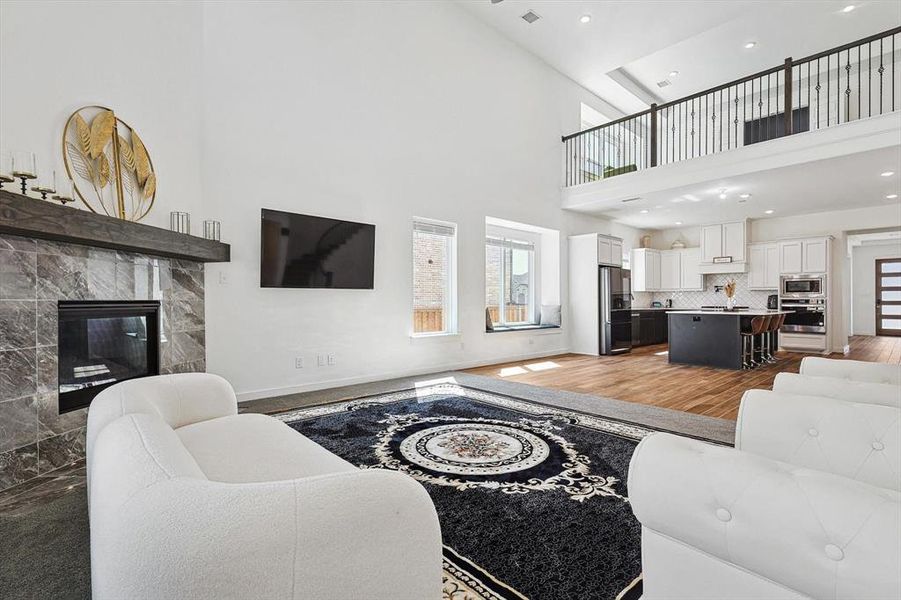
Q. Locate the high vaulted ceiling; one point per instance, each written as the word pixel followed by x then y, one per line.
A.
pixel 704 41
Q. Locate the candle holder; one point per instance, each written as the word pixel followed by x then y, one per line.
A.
pixel 211 230
pixel 180 222
pixel 46 184
pixel 24 169
pixel 67 194
pixel 6 167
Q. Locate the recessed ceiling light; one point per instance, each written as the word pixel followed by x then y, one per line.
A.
pixel 674 73
pixel 585 19
pixel 750 45
pixel 769 212
pixel 892 196
pixel 678 222
pixel 848 8
pixel 722 195
pixel 745 196
pixel 644 211
pixel 887 174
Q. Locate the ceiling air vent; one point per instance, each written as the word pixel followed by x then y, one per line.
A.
pixel 530 17
pixel 662 84
pixel 631 199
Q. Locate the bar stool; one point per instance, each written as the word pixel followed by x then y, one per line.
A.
pixel 775 325
pixel 759 324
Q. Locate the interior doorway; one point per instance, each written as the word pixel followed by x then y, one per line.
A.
pixel 888 296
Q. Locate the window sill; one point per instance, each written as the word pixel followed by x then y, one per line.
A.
pixel 530 328
pixel 434 337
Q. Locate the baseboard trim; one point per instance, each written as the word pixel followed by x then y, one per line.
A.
pixel 339 382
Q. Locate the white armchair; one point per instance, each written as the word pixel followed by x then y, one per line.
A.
pixel 855 370
pixel 190 500
pixel 806 506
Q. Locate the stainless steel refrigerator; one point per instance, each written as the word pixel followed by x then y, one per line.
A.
pixel 615 305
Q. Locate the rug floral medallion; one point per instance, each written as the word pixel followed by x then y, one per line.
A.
pixel 531 498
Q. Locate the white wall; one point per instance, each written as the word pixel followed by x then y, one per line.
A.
pixel 834 223
pixel 142 59
pixel 374 112
pixel 863 284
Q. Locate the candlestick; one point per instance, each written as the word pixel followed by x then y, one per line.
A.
pixel 24 168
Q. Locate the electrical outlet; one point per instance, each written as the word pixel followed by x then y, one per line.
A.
pixel 331 360
pixel 320 360
pixel 223 278
pixel 298 362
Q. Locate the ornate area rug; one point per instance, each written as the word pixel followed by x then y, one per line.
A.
pixel 531 498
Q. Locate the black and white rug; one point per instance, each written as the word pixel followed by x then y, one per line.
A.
pixel 531 498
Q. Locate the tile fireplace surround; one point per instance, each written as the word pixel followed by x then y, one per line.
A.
pixel 34 274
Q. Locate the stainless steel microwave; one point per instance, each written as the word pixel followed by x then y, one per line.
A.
pixel 803 286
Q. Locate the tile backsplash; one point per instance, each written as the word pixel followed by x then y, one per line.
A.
pixel 709 297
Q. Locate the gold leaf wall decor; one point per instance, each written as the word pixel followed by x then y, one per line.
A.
pixel 109 164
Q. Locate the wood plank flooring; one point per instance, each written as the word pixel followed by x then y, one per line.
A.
pixel 645 376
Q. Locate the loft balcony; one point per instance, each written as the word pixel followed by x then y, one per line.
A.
pixel 837 102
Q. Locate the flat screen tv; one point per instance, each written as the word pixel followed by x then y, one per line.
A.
pixel 302 251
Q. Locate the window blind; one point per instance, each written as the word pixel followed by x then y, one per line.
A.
pixel 508 243
pixel 434 228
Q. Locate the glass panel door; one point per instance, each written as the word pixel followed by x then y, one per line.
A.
pixel 888 296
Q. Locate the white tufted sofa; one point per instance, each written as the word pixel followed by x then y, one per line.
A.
pixel 854 370
pixel 189 499
pixel 863 392
pixel 806 506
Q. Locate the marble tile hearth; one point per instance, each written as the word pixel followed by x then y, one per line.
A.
pixel 34 274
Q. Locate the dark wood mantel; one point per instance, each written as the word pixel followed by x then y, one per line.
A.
pixel 29 217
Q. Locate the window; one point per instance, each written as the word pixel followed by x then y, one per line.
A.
pixel 434 277
pixel 511 280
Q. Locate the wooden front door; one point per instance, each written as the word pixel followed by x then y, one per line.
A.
pixel 888 296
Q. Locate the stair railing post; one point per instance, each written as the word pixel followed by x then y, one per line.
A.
pixel 788 96
pixel 654 134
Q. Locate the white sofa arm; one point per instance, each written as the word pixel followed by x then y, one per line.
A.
pixel 179 399
pixel 863 392
pixel 860 441
pixel 855 370
pixel 818 534
pixel 345 536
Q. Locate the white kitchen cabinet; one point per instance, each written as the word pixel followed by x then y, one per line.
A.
pixel 735 241
pixel 804 256
pixel 791 257
pixel 645 270
pixel 724 240
pixel 690 278
pixel 670 270
pixel 763 272
pixel 711 242
pixel 610 251
pixel 815 255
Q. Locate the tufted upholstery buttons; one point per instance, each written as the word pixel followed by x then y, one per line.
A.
pixel 723 515
pixel 812 432
pixel 877 445
pixel 834 552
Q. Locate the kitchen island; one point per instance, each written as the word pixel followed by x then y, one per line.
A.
pixel 710 338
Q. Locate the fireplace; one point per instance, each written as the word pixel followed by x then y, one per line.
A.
pixel 102 343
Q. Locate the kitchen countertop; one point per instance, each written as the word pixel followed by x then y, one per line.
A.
pixel 754 312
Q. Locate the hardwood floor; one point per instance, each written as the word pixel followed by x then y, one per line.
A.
pixel 645 376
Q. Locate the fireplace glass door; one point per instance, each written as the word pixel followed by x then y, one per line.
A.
pixel 101 343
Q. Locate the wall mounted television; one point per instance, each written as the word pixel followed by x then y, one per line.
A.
pixel 303 251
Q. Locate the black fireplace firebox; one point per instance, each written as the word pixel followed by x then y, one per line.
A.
pixel 102 343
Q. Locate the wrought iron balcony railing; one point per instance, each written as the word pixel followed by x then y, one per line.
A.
pixel 851 82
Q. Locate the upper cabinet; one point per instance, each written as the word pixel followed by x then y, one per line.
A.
pixel 804 256
pixel 666 270
pixel 645 270
pixel 690 278
pixel 670 270
pixel 728 241
pixel 610 251
pixel 763 266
